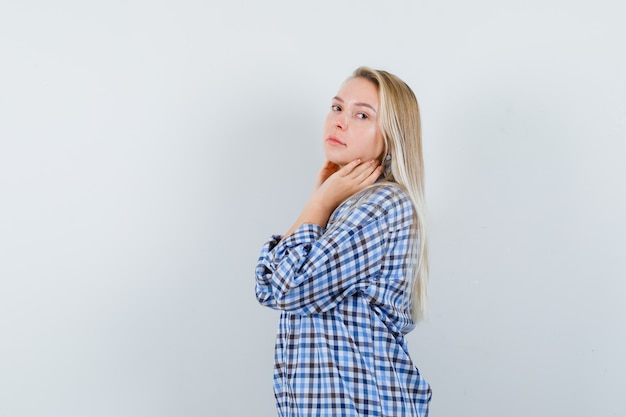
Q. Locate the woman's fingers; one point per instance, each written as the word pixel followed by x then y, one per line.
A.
pixel 350 167
pixel 360 171
pixel 350 179
pixel 370 173
pixel 368 169
pixel 376 172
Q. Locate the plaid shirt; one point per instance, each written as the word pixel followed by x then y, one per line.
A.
pixel 345 299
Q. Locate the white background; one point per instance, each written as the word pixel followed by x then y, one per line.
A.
pixel 149 148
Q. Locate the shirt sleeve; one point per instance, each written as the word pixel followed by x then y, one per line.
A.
pixel 313 269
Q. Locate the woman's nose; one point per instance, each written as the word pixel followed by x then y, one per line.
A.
pixel 341 121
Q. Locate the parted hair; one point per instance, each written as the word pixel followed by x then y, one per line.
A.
pixel 399 119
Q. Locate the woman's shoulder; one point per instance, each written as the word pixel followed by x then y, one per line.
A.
pixel 387 195
pixel 383 201
pixel 382 198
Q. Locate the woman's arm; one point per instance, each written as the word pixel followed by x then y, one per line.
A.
pixel 313 269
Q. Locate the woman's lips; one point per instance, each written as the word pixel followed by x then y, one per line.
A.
pixel 333 141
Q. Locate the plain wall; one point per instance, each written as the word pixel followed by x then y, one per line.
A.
pixel 148 150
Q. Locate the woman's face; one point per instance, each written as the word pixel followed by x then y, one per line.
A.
pixel 352 129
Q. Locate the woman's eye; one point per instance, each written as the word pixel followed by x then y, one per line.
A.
pixel 362 116
pixel 334 107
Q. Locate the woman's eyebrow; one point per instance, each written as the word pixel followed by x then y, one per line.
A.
pixel 339 99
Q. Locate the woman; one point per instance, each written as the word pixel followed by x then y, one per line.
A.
pixel 350 275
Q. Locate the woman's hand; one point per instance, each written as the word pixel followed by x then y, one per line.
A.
pixel 337 184
pixel 334 185
pixel 327 170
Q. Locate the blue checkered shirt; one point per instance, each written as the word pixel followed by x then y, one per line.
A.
pixel 344 296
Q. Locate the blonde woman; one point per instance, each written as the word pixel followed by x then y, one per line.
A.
pixel 350 275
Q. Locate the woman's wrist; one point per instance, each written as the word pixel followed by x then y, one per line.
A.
pixel 316 211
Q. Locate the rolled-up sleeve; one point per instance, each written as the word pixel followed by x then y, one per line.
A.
pixel 313 269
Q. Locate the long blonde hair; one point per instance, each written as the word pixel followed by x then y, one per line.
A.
pixel 399 118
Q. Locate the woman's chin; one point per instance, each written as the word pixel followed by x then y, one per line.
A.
pixel 337 161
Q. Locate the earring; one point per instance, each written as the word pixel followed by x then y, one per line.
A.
pixel 387 165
